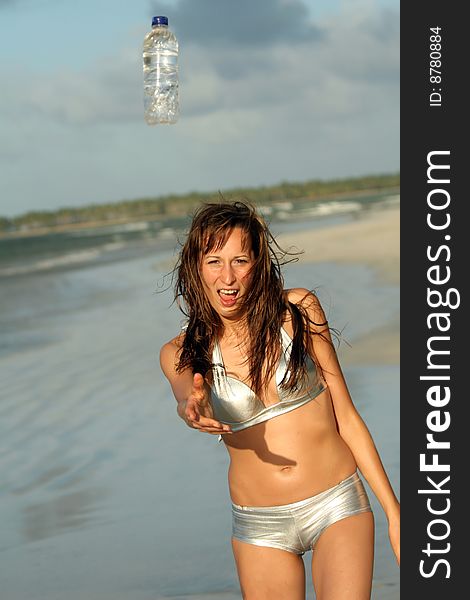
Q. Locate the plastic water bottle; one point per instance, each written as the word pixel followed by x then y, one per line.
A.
pixel 161 86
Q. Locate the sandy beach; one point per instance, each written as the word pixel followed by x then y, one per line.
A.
pixel 373 240
pixel 105 493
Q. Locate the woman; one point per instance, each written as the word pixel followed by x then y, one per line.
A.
pixel 256 365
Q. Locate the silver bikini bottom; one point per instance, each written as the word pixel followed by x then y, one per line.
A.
pixel 296 527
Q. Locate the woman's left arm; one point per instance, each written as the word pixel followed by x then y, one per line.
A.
pixel 351 427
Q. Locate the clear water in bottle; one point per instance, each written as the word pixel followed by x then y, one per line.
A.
pixel 160 63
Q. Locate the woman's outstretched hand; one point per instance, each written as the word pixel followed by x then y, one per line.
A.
pixel 196 411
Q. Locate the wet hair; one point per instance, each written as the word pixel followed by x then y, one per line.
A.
pixel 263 306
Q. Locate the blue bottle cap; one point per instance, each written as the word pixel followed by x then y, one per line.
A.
pixel 156 21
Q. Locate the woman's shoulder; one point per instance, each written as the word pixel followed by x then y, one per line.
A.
pixel 303 297
pixel 170 349
pixel 175 343
pixel 309 303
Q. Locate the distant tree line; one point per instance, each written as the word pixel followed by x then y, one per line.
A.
pixel 176 205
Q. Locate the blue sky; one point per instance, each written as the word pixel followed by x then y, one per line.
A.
pixel 271 90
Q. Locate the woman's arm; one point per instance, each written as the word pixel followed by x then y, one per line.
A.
pixel 191 393
pixel 351 427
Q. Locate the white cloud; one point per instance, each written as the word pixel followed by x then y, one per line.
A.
pixel 323 106
pixel 359 52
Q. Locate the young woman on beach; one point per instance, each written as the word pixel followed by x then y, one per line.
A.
pixel 256 365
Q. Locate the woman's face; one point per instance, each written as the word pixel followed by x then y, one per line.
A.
pixel 226 273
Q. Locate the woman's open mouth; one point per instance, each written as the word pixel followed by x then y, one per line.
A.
pixel 228 297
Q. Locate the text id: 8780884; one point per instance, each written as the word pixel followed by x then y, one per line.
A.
pixel 435 66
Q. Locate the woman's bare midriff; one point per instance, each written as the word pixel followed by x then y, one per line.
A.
pixel 288 458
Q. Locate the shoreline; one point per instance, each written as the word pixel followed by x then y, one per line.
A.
pixel 85 485
pixel 150 217
pixel 372 240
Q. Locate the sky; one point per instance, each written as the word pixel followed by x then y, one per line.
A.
pixel 270 91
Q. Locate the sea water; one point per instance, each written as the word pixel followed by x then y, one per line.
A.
pixel 104 493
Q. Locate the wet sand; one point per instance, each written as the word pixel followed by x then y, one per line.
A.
pixel 96 466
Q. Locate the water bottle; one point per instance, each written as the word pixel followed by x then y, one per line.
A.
pixel 161 89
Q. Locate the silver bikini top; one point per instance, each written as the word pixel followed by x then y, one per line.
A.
pixel 235 404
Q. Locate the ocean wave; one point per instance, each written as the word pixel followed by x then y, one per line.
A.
pixel 110 229
pixel 63 260
pixel 391 200
pixel 167 233
pixel 321 209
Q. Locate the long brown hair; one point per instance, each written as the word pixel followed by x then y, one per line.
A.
pixel 264 305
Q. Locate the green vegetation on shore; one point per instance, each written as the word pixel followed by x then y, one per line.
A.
pixel 176 205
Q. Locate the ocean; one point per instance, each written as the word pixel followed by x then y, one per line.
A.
pixel 104 493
